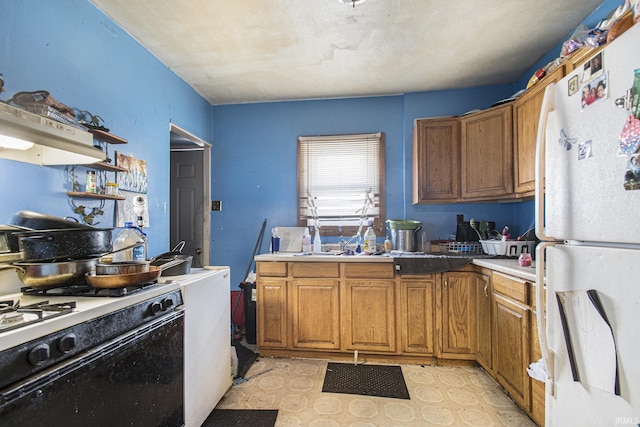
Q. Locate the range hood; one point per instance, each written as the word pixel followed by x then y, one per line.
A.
pixel 31 138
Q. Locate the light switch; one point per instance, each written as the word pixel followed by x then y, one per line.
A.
pixel 216 205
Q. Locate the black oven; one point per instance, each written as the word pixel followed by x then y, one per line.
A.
pixel 123 368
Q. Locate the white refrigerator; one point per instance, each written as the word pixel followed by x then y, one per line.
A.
pixel 588 219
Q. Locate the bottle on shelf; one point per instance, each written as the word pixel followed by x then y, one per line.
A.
pixel 91 182
pixel 130 236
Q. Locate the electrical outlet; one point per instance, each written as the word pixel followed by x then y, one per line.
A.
pixel 216 205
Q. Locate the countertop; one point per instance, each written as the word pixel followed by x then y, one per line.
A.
pixel 508 266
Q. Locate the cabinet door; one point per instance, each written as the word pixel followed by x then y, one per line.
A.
pixel 436 160
pixel 458 314
pixel 271 313
pixel 368 315
pixel 526 113
pixel 487 154
pixel 511 348
pixel 315 311
pixel 417 315
pixel 483 324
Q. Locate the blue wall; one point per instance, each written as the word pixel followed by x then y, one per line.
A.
pixel 86 61
pixel 254 163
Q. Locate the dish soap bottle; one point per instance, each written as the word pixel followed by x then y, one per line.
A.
pixel 370 239
pixel 387 245
pixel 317 243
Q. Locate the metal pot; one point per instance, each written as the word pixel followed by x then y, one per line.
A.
pixel 38 221
pixel 184 267
pixel 52 274
pixel 73 243
pixel 404 234
pixel 125 267
pixel 9 241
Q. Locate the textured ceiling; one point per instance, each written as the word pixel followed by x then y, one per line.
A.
pixel 239 51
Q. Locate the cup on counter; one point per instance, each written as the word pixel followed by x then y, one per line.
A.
pixel 275 244
pixel 425 243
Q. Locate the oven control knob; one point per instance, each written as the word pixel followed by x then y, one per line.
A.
pixel 167 303
pixel 67 343
pixel 39 354
pixel 155 307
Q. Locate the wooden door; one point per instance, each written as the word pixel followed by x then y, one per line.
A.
pixel 271 313
pixel 487 154
pixel 458 316
pixel 368 315
pixel 483 324
pixel 436 160
pixel 417 314
pixel 511 348
pixel 315 312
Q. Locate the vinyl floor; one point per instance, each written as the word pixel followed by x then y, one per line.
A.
pixel 439 396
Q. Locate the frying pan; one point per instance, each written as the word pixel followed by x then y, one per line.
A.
pixel 52 274
pixel 110 281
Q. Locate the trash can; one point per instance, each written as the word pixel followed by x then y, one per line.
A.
pixel 250 312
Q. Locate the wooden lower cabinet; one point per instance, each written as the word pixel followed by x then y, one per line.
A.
pixel 368 313
pixel 484 336
pixel 457 316
pixel 315 313
pixel 271 313
pixel 417 315
pixel 511 348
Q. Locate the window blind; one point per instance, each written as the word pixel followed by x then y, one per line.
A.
pixel 339 178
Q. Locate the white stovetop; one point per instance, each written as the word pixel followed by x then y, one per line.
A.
pixel 86 307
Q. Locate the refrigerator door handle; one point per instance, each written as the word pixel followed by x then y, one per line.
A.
pixel 541 320
pixel 548 105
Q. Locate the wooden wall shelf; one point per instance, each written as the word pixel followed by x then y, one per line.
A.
pixel 85 195
pixel 107 137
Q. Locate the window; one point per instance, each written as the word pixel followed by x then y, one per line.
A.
pixel 341 182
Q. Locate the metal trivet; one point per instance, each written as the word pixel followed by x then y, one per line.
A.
pixel 88 291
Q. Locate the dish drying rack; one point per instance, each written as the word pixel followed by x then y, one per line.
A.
pixel 467 248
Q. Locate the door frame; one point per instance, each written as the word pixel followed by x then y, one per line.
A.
pixel 183 140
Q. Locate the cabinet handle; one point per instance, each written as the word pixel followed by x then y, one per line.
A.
pixel 486 286
pixel 446 283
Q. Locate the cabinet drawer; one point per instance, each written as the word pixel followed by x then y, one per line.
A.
pixel 272 269
pixel 315 269
pixel 511 287
pixel 368 270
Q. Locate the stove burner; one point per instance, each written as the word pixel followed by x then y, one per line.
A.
pixel 11 318
pixel 15 316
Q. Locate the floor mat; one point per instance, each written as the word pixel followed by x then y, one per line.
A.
pixel 246 357
pixel 242 417
pixel 367 380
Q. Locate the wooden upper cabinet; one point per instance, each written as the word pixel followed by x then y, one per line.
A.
pixel 436 160
pixel 526 114
pixel 487 154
